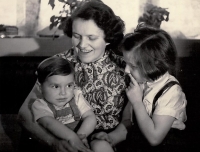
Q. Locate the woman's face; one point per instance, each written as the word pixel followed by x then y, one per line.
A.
pixel 88 39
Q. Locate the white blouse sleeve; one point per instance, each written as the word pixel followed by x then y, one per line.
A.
pixel 171 103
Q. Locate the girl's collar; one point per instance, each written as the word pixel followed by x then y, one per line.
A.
pixel 160 80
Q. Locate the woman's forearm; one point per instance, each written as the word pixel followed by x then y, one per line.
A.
pixel 119 134
pixel 25 118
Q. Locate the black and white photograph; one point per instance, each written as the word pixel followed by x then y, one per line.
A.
pixel 99 75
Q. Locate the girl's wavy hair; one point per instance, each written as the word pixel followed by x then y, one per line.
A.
pixel 154 51
pixel 104 18
pixel 53 66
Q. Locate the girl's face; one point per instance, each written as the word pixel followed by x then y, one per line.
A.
pixel 88 39
pixel 132 68
pixel 58 89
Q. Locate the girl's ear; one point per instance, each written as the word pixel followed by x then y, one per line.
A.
pixel 39 87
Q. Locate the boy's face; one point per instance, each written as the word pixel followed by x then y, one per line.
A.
pixel 132 68
pixel 58 89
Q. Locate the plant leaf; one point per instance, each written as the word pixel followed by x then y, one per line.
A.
pixel 52 3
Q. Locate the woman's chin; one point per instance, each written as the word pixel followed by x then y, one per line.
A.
pixel 85 57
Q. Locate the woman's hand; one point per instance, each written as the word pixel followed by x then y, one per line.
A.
pixel 102 136
pixel 76 142
pixel 83 137
pixel 134 91
pixel 63 146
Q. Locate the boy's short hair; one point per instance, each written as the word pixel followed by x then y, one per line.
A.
pixel 53 66
pixel 154 50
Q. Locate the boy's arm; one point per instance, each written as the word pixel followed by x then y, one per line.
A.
pixel 88 124
pixel 63 132
pixel 56 128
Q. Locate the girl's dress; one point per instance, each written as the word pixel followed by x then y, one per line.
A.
pixel 162 100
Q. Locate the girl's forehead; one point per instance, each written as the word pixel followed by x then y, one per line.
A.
pixel 128 55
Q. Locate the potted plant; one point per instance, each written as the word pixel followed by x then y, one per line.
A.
pixel 153 15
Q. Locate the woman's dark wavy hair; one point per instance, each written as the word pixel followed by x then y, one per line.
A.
pixel 104 18
pixel 53 66
pixel 154 51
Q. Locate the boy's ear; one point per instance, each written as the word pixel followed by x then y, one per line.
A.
pixel 39 87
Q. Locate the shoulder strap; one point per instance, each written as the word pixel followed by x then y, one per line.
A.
pixel 75 110
pixel 162 90
pixel 52 108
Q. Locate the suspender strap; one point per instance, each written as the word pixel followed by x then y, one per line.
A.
pixel 162 90
pixel 73 109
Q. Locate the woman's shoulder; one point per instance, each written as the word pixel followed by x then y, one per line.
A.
pixel 68 55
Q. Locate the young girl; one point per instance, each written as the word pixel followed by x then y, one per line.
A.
pixel 155 95
pixel 62 105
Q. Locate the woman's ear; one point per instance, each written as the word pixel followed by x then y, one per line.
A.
pixel 39 87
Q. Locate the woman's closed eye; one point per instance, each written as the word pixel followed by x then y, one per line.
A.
pixel 76 36
pixel 92 37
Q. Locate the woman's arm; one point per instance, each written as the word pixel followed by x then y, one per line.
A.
pixel 88 124
pixel 25 118
pixel 120 133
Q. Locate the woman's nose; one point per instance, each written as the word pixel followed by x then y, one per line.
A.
pixel 127 69
pixel 82 43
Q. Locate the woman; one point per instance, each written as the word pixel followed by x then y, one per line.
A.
pixel 96 32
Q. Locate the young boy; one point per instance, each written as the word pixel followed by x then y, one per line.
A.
pixel 62 103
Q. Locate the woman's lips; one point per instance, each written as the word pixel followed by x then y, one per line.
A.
pixel 85 51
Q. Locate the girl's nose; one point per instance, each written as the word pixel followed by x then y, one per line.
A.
pixel 127 69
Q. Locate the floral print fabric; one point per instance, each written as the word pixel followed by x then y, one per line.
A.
pixel 103 86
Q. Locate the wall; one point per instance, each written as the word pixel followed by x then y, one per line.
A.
pixel 184 15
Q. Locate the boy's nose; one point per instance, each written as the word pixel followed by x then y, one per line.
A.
pixel 62 91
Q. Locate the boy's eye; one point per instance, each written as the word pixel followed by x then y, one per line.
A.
pixel 54 86
pixel 70 85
